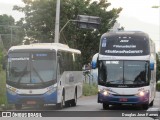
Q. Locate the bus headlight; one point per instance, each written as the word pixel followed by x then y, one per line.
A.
pixel 142 93
pixel 104 92
pixel 51 90
pixel 12 91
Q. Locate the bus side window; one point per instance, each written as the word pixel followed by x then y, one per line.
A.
pixel 60 63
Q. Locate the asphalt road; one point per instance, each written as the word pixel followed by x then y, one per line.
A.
pixel 90 104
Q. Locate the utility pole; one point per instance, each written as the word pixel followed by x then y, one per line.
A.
pixel 56 38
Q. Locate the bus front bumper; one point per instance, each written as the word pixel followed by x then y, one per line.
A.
pixel 32 99
pixel 123 99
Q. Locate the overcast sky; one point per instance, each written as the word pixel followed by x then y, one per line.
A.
pixel 136 15
pixel 139 15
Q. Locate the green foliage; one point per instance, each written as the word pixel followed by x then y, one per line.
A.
pixel 158 86
pixel 11 33
pixel 3 99
pixel 89 89
pixel 40 22
pixel 158 68
pixel 1 58
pixel 155 6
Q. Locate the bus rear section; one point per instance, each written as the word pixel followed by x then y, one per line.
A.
pixel 33 77
pixel 126 65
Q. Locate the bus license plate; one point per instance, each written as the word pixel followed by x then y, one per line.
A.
pixel 31 102
pixel 123 99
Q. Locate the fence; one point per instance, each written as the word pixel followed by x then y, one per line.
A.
pixel 90 76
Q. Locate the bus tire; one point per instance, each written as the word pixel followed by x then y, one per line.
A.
pixel 105 106
pixel 74 101
pixel 62 103
pixel 18 106
pixel 41 106
pixel 151 104
pixel 145 106
pixel 67 103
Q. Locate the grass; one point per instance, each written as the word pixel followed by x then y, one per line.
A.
pixel 89 89
pixel 3 99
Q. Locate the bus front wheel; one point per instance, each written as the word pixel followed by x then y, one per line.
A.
pixel 151 104
pixel 62 103
pixel 18 106
pixel 105 106
pixel 74 101
pixel 145 106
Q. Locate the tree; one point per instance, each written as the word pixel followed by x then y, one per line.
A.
pixel 10 33
pixel 40 21
pixel 158 67
pixel 155 6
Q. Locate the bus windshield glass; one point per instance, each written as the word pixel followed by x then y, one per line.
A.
pixel 123 72
pixel 31 67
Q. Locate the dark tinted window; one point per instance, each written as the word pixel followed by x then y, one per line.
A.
pixel 123 72
pixel 124 46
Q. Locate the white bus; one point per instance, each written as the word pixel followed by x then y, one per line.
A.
pixel 126 65
pixel 43 73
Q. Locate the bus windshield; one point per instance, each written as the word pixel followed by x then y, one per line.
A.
pixel 123 72
pixel 31 68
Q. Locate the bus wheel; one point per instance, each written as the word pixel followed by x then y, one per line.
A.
pixel 74 101
pixel 105 106
pixel 18 106
pixel 40 106
pixel 145 106
pixel 61 104
pixel 67 103
pixel 151 104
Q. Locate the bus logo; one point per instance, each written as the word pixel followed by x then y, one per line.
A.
pixel 124 41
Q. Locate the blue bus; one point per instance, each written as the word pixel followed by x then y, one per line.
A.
pixel 126 65
pixel 43 73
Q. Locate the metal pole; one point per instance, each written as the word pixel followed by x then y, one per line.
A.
pixel 11 37
pixel 66 25
pixel 57 22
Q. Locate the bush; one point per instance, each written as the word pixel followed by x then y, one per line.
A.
pixel 89 89
pixel 158 86
pixel 3 99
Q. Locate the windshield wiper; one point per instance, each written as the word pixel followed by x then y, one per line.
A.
pixel 23 73
pixel 38 75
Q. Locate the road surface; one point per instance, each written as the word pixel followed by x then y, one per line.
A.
pixel 89 105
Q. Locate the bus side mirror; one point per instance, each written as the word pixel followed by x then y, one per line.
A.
pixel 94 61
pixel 94 64
pixel 151 66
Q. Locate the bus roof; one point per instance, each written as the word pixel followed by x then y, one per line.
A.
pixel 45 46
pixel 124 33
